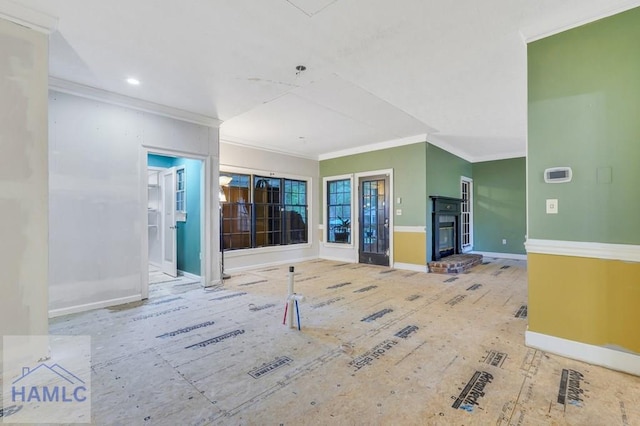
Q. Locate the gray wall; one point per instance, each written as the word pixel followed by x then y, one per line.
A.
pixel 97 207
pixel 236 156
pixel 23 182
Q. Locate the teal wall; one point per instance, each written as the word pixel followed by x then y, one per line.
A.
pixel 408 167
pixel 154 160
pixel 189 231
pixel 584 109
pixel 188 234
pixel 443 173
pixel 499 206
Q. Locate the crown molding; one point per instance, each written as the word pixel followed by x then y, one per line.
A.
pixel 30 18
pixel 65 86
pixel 427 138
pixel 502 156
pixel 534 33
pixel 433 140
pixel 230 140
pixel 374 147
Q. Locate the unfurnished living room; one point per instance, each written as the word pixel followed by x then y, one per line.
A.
pixel 320 212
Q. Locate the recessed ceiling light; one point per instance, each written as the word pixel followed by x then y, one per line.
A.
pixel 133 81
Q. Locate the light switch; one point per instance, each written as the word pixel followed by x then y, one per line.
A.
pixel 552 206
pixel 398 212
pixel 399 200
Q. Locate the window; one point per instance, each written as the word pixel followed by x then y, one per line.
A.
pixel 181 194
pixel 466 191
pixel 237 212
pixel 338 211
pixel 295 211
pixel 264 211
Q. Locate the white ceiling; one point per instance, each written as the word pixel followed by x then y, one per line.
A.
pixel 377 70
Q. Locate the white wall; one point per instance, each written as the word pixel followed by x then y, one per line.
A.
pixel 23 181
pixel 97 208
pixel 243 157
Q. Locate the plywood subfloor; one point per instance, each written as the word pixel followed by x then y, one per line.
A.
pixel 377 347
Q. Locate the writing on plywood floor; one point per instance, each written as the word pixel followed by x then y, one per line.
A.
pixel 376 346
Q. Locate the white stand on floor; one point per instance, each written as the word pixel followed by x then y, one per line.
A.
pixel 292 298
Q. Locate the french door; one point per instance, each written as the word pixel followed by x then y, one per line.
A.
pixel 373 194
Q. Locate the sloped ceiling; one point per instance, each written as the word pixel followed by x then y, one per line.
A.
pixel 376 71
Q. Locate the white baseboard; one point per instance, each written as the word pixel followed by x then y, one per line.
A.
pixel 265 265
pixel 511 256
pixel 213 283
pixel 337 259
pixel 597 355
pixel 189 275
pixel 95 305
pixel 410 267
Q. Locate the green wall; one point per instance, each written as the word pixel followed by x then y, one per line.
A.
pixel 584 112
pixel 444 171
pixel 443 178
pixel 423 169
pixel 188 233
pixel 499 210
pixel 408 164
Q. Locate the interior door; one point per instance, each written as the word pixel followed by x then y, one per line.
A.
pixel 169 228
pixel 373 197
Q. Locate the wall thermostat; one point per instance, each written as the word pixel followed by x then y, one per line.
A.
pixel 557 175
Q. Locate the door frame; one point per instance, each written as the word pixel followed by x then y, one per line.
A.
pixel 206 218
pixel 356 207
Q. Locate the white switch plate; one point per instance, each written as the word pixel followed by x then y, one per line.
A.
pixel 552 206
pixel 398 212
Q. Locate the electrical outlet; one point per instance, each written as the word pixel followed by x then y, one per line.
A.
pixel 504 241
pixel 398 212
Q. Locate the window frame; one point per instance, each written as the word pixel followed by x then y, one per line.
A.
pixel 464 248
pixel 253 175
pixel 325 210
pixel 181 214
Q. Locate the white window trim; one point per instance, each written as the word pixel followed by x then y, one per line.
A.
pixel 325 180
pixel 278 175
pixel 468 248
pixel 181 215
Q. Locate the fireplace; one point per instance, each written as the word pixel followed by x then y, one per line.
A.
pixel 445 221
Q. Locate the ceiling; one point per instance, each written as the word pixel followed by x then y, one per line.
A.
pixel 377 71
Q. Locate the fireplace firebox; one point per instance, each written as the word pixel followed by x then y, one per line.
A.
pixel 445 221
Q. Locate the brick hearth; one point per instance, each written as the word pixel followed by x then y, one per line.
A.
pixel 455 264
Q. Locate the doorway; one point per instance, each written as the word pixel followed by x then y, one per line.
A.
pixel 374 220
pixel 174 218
